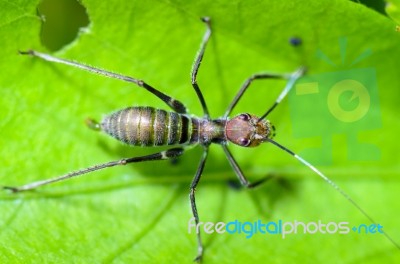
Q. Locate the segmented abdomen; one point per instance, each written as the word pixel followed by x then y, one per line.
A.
pixel 147 126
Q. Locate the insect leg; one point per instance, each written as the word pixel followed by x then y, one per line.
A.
pixel 176 105
pixel 163 155
pixel 243 180
pixel 197 63
pixel 291 81
pixel 193 185
pixel 258 76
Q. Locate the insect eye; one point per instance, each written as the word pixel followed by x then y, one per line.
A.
pixel 244 142
pixel 244 117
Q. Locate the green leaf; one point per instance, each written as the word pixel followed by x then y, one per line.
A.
pixel 392 9
pixel 140 213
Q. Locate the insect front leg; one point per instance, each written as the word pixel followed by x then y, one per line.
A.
pixel 292 77
pixel 163 155
pixel 243 180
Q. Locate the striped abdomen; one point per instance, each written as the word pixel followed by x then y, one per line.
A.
pixel 147 126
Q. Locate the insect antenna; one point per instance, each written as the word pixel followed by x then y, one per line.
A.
pixel 334 185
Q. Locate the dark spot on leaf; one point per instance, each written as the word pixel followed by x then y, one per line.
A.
pixel 234 184
pixel 295 41
pixel 174 161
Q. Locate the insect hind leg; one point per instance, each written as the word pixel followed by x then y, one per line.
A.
pixel 163 155
pixel 175 104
